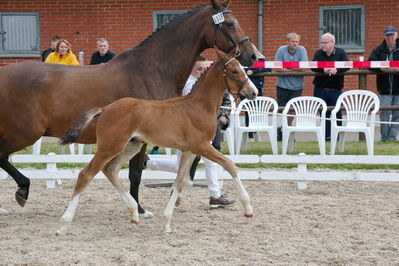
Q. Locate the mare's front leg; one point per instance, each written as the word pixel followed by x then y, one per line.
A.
pixel 208 151
pixel 22 193
pixel 111 170
pixel 186 160
pixel 135 172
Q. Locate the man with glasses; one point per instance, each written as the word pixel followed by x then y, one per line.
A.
pixel 388 84
pixel 329 87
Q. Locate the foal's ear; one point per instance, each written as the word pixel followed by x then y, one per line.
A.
pixel 221 55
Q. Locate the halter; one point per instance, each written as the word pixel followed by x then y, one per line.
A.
pixel 226 74
pixel 218 19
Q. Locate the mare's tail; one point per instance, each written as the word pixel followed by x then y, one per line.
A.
pixel 79 125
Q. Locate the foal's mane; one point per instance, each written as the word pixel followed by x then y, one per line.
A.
pixel 199 80
pixel 170 24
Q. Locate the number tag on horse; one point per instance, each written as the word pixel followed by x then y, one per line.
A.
pixel 218 18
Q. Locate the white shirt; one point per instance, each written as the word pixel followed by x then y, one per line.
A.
pixel 189 85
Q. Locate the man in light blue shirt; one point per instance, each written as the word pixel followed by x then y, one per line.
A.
pixel 289 87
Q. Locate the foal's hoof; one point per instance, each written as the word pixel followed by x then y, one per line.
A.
pixel 21 195
pixel 250 215
pixel 134 223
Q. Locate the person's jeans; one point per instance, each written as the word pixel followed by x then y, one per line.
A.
pixel 388 131
pixel 330 97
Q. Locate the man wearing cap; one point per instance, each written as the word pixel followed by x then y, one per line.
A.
pixel 388 84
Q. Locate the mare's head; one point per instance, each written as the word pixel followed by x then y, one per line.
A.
pixel 227 34
pixel 237 81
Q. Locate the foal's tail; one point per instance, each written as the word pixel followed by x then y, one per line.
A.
pixel 79 125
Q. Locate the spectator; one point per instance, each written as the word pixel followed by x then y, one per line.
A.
pixel 388 84
pixel 258 81
pixel 329 87
pixel 103 54
pixel 211 169
pixel 63 54
pixel 54 41
pixel 288 87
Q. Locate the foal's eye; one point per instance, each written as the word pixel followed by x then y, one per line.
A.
pixel 235 72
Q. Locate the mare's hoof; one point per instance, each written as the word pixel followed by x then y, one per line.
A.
pixel 146 215
pixel 249 215
pixel 21 195
pixel 134 223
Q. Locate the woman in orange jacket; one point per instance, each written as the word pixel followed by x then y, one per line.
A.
pixel 63 54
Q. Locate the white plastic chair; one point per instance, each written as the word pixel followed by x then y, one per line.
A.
pixel 230 130
pixel 358 104
pixel 306 109
pixel 262 115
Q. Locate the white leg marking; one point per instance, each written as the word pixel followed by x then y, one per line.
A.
pixel 244 197
pixel 132 207
pixel 68 215
pixel 167 213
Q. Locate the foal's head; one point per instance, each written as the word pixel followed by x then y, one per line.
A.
pixel 236 79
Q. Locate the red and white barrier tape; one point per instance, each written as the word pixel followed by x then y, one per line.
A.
pixel 326 64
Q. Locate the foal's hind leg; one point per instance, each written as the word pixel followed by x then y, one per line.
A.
pixel 111 170
pixel 86 175
pixel 186 160
pixel 208 151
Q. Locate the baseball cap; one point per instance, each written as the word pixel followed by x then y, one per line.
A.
pixel 389 30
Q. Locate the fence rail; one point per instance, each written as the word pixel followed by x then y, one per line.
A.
pixel 53 175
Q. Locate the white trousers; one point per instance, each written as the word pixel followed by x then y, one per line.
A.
pixel 211 171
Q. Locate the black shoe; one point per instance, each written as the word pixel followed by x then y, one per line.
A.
pixel 146 158
pixel 220 202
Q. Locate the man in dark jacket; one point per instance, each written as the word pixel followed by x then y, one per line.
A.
pixel 388 84
pixel 103 54
pixel 329 88
pixel 54 41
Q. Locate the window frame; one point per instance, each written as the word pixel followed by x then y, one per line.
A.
pixel 164 12
pixel 349 49
pixel 19 53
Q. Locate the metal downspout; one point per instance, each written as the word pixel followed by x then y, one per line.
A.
pixel 260 26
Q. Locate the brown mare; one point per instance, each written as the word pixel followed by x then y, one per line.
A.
pixel 186 123
pixel 40 99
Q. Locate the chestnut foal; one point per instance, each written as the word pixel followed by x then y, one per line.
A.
pixel 185 123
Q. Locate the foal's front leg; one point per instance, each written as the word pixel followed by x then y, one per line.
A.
pixel 209 152
pixel 85 177
pixel 186 160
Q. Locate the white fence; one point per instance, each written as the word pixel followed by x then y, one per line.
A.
pixel 52 174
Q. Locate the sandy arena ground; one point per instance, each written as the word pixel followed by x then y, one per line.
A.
pixel 335 223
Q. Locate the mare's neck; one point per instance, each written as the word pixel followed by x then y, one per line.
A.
pixel 171 53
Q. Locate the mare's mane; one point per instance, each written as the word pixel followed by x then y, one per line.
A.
pixel 171 23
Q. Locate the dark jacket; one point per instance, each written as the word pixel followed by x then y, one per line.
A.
pixel 258 81
pixel 96 58
pixel 46 53
pixel 334 81
pixel 387 84
pixel 223 112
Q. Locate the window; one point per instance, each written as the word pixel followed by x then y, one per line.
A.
pixel 19 34
pixel 165 16
pixel 346 23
